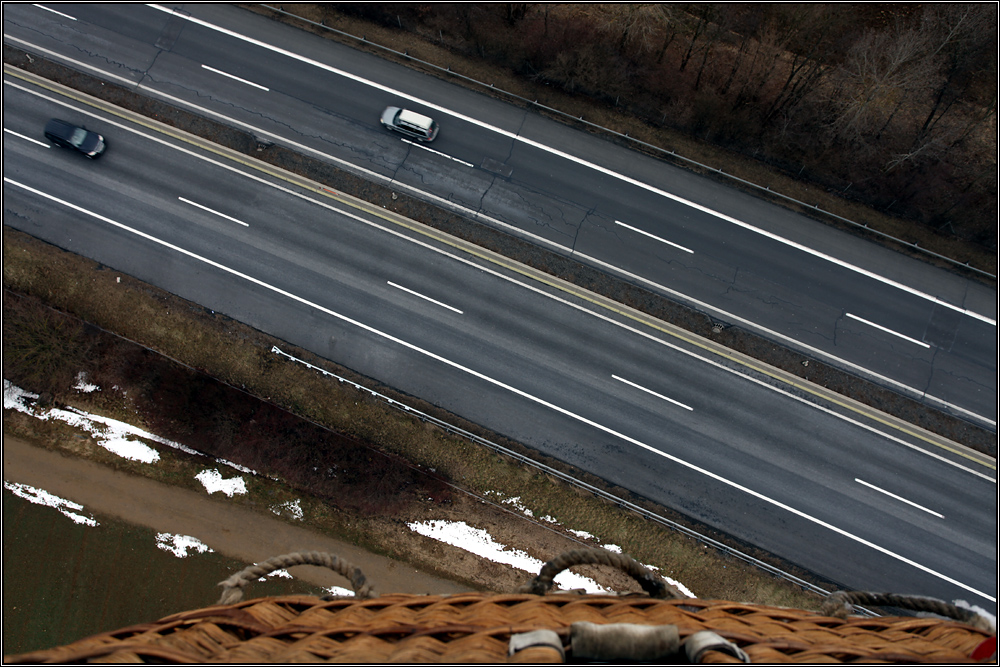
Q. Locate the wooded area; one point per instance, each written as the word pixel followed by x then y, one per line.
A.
pixel 893 105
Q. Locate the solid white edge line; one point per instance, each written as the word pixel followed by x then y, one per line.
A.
pixel 58 56
pixel 425 298
pixel 652 236
pixel 517 230
pixel 608 172
pixel 532 288
pixel 888 331
pixel 235 78
pixel 650 391
pixel 506 387
pixel 221 215
pixel 21 136
pixel 899 498
pixel 791 341
pixel 65 16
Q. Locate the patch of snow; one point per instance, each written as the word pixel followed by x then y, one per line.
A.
pixel 990 618
pixel 617 549
pixel 212 481
pixel 130 449
pixel 518 505
pixel 293 507
pixel 179 545
pixel 236 466
pixel 283 574
pixel 549 519
pixel 337 590
pixel 83 385
pixel 481 543
pixel 40 497
pixel 108 433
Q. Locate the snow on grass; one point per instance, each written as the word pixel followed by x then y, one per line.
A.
pixel 83 385
pixel 293 507
pixel 584 535
pixel 518 505
pixel 180 545
pixel 340 592
pixel 681 587
pixel 282 574
pixel 481 543
pixel 40 497
pixel 212 481
pixel 115 436
pixel 111 434
pixel 236 466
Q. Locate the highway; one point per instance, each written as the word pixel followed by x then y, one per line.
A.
pixel 916 329
pixel 831 491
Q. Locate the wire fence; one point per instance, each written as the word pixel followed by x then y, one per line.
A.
pixel 569 479
pixel 651 147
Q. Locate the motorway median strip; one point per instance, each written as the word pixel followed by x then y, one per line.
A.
pixel 535 275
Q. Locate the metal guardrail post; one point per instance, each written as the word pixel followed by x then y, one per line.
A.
pixel 569 479
pixel 657 149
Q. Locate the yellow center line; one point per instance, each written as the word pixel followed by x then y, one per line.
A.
pixel 483 254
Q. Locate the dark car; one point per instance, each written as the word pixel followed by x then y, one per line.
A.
pixel 72 136
pixel 410 123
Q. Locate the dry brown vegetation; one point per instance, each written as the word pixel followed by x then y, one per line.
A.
pixel 361 469
pixel 889 106
pixel 43 350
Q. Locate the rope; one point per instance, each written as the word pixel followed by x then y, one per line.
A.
pixel 839 605
pixel 232 588
pixel 650 582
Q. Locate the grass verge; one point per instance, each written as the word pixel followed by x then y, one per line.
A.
pixel 449 478
pixel 632 295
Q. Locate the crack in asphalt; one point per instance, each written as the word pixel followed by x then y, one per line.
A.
pixel 286 127
pixel 538 215
pixel 579 226
pixel 609 229
pixel 486 191
pixel 79 50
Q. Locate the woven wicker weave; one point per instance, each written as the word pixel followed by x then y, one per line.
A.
pixel 477 627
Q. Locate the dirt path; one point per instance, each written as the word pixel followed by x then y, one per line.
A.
pixel 230 530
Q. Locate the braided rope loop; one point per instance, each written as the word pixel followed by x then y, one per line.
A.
pixel 839 605
pixel 232 588
pixel 647 579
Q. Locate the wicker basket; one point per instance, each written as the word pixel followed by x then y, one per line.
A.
pixel 522 627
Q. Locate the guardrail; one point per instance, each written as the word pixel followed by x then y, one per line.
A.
pixel 569 479
pixel 654 148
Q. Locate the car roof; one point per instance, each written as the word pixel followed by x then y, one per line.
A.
pixel 413 118
pixel 55 123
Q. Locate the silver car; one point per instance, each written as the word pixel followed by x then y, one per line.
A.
pixel 410 123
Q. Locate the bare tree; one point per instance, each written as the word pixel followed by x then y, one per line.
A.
pixel 634 23
pixel 669 23
pixel 810 25
pixel 705 14
pixel 963 37
pixel 881 69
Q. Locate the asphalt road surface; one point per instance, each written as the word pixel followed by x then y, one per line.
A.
pixel 919 330
pixel 833 491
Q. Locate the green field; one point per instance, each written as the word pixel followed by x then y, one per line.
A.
pixel 63 581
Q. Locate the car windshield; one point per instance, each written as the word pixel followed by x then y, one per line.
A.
pixel 78 136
